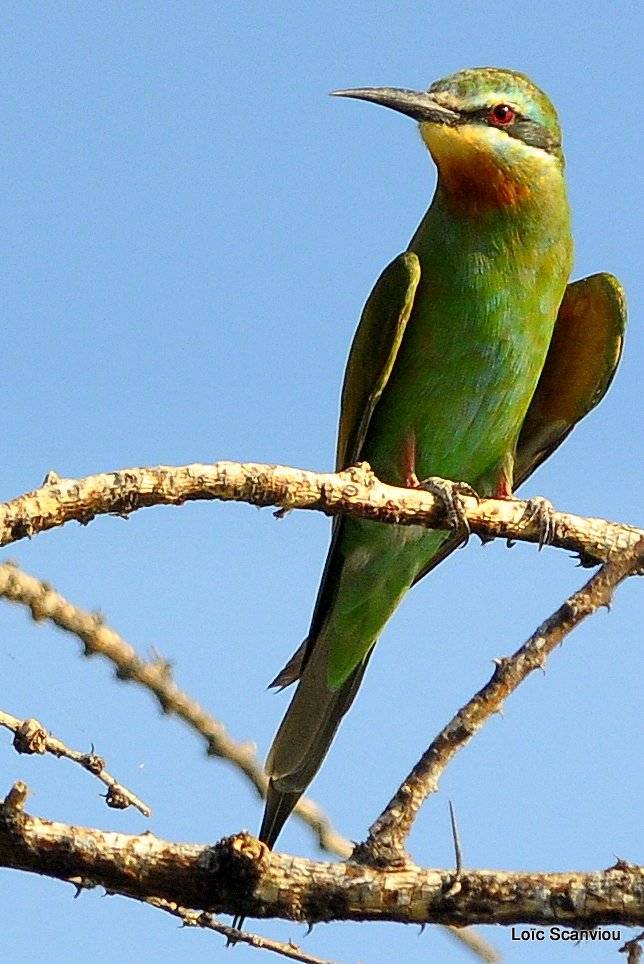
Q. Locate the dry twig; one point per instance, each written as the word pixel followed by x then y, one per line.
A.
pixel 385 844
pixel 354 492
pixel 30 736
pixel 194 918
pixel 155 675
pixel 45 603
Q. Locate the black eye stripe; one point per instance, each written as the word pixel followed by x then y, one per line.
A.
pixel 529 131
pixel 483 113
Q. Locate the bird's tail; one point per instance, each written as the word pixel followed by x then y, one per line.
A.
pixel 304 738
pixel 278 809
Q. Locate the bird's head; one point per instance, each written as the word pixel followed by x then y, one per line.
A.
pixel 493 134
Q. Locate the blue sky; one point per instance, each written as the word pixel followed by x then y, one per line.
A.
pixel 190 229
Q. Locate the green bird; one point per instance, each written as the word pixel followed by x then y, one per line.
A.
pixel 473 360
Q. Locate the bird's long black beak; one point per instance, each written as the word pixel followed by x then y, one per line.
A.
pixel 417 104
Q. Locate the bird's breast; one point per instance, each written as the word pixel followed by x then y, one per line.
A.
pixel 471 356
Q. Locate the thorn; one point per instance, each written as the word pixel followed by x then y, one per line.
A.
pixel 78 884
pixel 51 478
pixel 458 853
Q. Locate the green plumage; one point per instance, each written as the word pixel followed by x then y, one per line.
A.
pixel 449 375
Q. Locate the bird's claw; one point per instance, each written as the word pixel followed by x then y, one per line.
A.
pixel 449 494
pixel 541 512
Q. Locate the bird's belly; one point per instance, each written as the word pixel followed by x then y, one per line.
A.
pixel 455 404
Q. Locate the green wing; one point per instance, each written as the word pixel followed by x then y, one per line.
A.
pixel 371 360
pixel 373 353
pixel 370 363
pixel 582 359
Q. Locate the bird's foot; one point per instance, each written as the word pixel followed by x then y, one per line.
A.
pixel 542 513
pixel 449 494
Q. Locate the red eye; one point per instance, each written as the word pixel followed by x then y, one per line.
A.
pixel 501 114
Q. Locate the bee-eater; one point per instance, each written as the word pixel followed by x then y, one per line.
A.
pixel 473 360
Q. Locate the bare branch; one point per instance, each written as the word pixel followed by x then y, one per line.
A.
pixel 97 638
pixel 193 918
pixel 45 603
pixel 239 875
pixel 354 492
pixel 30 736
pixel 385 844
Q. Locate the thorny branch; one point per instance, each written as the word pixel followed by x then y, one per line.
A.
pixel 239 875
pixel 30 736
pixel 194 918
pixel 355 492
pixel 155 675
pixel 257 892
pixel 98 639
pixel 385 844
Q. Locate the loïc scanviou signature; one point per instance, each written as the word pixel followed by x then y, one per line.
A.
pixel 599 934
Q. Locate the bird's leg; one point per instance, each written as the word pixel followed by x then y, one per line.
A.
pixel 410 479
pixel 503 487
